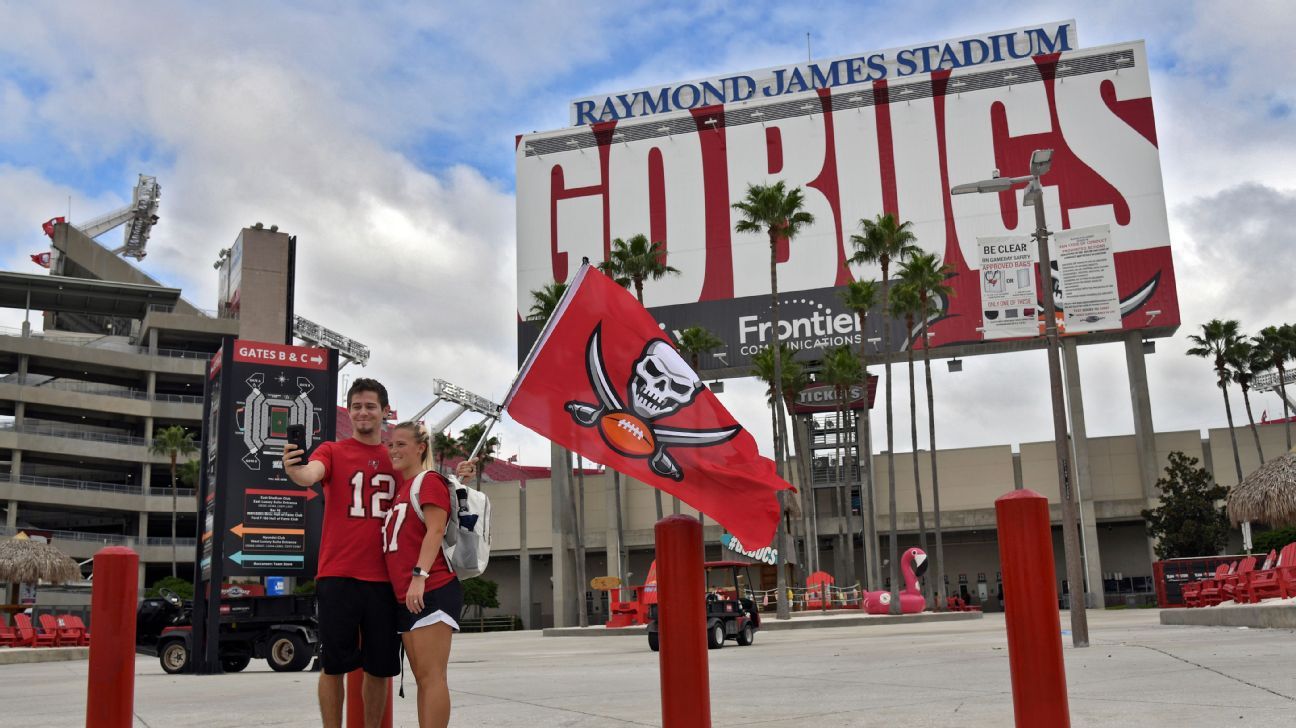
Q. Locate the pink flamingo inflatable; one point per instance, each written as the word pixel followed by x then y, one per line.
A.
pixel 913 564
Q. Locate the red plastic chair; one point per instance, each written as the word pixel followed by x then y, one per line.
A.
pixel 1279 581
pixel 1229 586
pixel 28 636
pixel 8 636
pixel 74 622
pixel 72 632
pixel 49 624
pixel 1210 589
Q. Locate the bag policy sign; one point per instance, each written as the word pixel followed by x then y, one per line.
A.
pixel 1009 303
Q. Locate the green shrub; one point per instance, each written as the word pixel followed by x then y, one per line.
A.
pixel 306 587
pixel 181 587
pixel 1273 540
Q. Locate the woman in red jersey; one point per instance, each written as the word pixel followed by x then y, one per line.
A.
pixel 429 595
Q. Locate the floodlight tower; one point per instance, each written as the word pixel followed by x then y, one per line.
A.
pixel 139 217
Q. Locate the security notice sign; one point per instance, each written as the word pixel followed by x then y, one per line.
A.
pixel 1086 269
pixel 257 521
pixel 1008 300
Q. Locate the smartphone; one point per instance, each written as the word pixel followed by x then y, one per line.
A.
pixel 297 436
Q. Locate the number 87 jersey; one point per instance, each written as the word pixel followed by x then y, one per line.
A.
pixel 359 485
pixel 405 528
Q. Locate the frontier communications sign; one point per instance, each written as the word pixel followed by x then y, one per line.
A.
pixel 859 146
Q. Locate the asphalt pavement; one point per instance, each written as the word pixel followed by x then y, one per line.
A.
pixel 1136 673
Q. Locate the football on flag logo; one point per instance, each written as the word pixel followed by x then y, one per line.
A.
pixel 661 384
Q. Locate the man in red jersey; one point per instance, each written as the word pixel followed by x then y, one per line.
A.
pixel 357 623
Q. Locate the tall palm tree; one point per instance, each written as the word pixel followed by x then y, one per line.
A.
pixel 1216 342
pixel 861 297
pixel 905 304
pixel 886 240
pixel 695 341
pixel 927 275
pixel 777 212
pixel 467 440
pixel 1245 363
pixel 1279 342
pixel 794 379
pixel 544 303
pixel 842 369
pixel 444 447
pixel 630 263
pixel 174 442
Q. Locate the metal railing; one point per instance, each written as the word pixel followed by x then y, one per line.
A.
pixel 107 342
pixel 79 484
pixel 166 541
pixel 107 538
pixel 106 390
pixel 76 434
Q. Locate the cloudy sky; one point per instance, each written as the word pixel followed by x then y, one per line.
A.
pixel 381 134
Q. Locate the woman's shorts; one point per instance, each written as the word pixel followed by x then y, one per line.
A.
pixel 442 604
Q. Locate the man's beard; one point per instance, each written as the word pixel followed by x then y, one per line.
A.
pixel 364 428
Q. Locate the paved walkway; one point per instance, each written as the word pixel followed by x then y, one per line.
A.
pixel 955 673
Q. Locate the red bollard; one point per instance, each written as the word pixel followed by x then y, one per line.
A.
pixel 1031 611
pixel 681 623
pixel 110 699
pixel 355 701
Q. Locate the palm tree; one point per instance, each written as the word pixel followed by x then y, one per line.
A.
pixel 173 442
pixel 885 240
pixel 1217 341
pixel 190 473
pixel 860 297
pixel 630 263
pixel 445 447
pixel 905 304
pixel 468 439
pixel 777 212
pixel 1245 363
pixel 1279 342
pixel 544 303
pixel 696 341
pixel 842 369
pixel 927 275
pixel 794 379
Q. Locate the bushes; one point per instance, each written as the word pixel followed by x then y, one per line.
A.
pixel 184 589
pixel 1273 540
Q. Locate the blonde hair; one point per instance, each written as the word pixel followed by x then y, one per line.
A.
pixel 421 437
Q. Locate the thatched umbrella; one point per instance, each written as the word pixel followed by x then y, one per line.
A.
pixel 1267 495
pixel 27 561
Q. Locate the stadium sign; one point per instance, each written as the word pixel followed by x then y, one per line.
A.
pixel 894 145
pixel 842 71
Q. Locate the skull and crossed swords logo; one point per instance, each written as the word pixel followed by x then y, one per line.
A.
pixel 661 384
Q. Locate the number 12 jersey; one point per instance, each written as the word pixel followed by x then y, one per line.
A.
pixel 359 485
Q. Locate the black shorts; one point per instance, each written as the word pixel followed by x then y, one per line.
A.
pixel 357 626
pixel 441 605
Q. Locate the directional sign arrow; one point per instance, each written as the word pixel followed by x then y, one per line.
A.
pixel 307 493
pixel 239 558
pixel 241 530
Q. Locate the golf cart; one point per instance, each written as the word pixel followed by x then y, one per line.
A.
pixel 281 630
pixel 730 614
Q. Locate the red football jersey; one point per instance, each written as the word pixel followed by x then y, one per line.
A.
pixel 403 533
pixel 359 485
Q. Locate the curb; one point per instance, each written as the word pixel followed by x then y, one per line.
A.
pixel 24 655
pixel 769 624
pixel 1256 616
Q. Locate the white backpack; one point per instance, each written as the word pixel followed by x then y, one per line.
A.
pixel 467 537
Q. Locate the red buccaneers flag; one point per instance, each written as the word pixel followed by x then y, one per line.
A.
pixel 604 381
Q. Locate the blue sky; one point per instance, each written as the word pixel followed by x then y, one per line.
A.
pixel 382 135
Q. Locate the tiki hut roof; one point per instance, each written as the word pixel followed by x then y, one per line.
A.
pixel 1267 495
pixel 26 561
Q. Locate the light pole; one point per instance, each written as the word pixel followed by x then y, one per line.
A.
pixel 1041 160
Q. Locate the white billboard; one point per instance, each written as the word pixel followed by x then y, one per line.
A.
pixel 888 146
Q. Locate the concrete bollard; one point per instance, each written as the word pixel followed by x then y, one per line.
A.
pixel 110 698
pixel 1031 611
pixel 355 701
pixel 681 623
